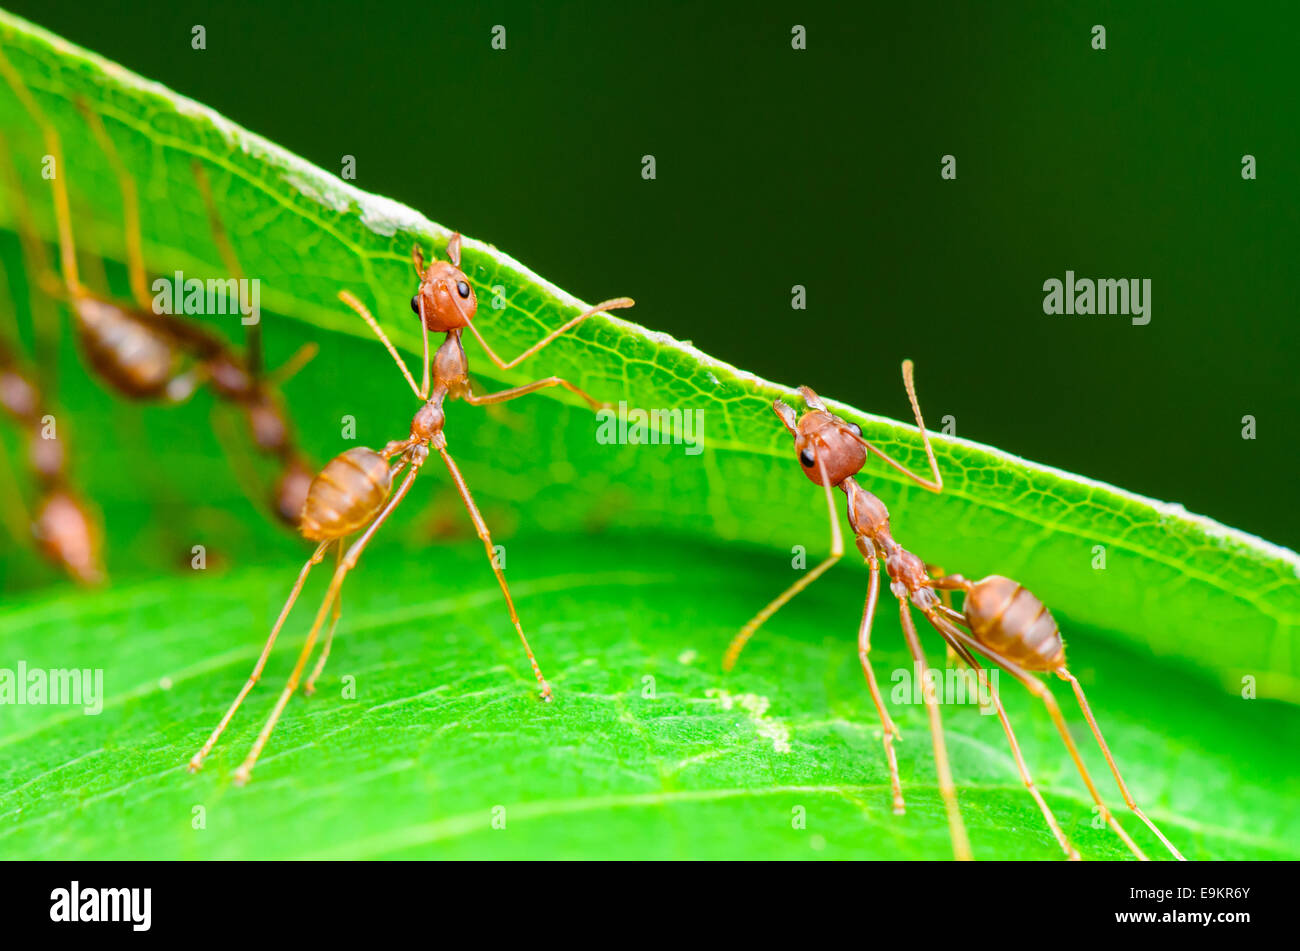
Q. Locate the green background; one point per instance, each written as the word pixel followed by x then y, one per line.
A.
pixel 821 168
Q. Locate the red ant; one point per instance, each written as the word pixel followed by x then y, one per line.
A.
pixel 1000 620
pixel 354 492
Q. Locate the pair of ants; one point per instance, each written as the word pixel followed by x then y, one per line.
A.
pixel 1000 621
pixel 138 352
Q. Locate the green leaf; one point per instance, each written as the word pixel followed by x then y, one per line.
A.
pixel 647 751
pixel 443 728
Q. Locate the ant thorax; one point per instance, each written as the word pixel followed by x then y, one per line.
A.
pixel 908 577
pixel 867 514
pixel 428 420
pixel 870 521
pixel 450 367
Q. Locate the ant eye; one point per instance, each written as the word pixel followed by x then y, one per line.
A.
pixel 806 457
pixel 855 429
pixel 462 289
pixel 415 303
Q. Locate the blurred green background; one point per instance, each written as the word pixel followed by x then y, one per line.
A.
pixel 822 168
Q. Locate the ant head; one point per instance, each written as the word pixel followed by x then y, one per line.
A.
pixel 445 295
pixel 823 440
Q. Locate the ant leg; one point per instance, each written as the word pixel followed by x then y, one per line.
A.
pixel 130 209
pixel 518 391
pixel 309 687
pixel 53 146
pixel 933 485
pixel 197 760
pixel 291 367
pixel 41 310
pixel 964 653
pixel 18 520
pixel 360 308
pixel 236 452
pixel 349 562
pixel 252 332
pixel 1123 789
pixel 417 259
pixel 481 528
pixel 425 382
pixel 890 731
pixel 953 658
pixel 1038 689
pixel 616 304
pixel 837 551
pixel 495 412
pixel 956 828
pixel 945 583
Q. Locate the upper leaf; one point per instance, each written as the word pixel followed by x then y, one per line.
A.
pixel 1181 584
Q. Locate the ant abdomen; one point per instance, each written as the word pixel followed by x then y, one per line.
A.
pixel 18 397
pixel 1009 619
pixel 290 493
pixel 133 358
pixel 346 494
pixel 68 535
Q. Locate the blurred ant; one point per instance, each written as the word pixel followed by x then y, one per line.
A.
pixel 64 526
pixel 354 492
pixel 148 356
pixel 1000 620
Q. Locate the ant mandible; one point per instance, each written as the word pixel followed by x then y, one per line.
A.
pixel 1000 620
pixel 354 492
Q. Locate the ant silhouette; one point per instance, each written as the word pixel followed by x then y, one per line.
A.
pixel 1000 620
